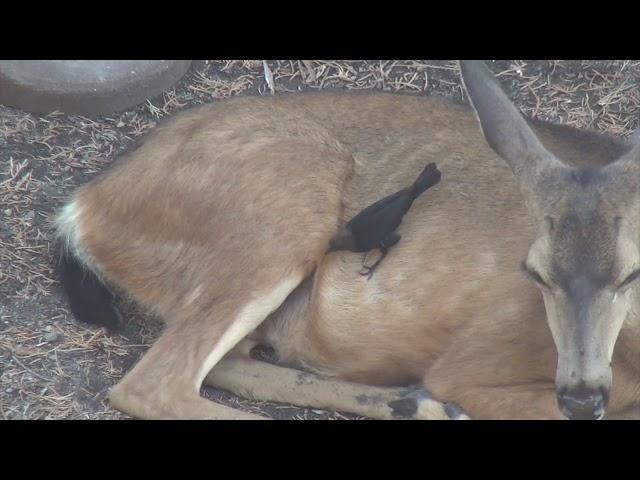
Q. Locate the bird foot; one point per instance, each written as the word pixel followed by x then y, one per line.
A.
pixel 367 271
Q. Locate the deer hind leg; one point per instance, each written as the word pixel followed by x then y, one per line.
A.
pixel 166 382
pixel 213 248
pixel 253 379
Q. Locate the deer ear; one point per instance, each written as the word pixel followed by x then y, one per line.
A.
pixel 501 122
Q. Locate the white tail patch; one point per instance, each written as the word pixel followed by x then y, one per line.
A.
pixel 67 228
pixel 249 318
pixel 66 223
pixel 68 232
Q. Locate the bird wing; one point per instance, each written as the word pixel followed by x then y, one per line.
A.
pixel 370 212
pixel 382 217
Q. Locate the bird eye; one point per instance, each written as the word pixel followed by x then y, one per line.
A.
pixel 630 278
pixel 534 275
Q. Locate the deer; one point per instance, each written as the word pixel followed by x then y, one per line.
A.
pixel 513 294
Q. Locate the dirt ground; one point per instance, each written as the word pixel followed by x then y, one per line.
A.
pixel 53 368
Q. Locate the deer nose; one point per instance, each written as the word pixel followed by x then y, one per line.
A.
pixel 583 403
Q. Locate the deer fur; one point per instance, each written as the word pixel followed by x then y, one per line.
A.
pixel 219 221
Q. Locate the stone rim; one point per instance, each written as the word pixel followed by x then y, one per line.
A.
pixel 28 93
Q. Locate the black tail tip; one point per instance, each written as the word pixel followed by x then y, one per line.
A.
pixel 431 168
pixel 90 300
pixel 429 177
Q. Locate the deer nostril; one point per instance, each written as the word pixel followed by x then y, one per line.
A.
pixel 583 403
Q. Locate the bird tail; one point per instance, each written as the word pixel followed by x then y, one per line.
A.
pixel 429 177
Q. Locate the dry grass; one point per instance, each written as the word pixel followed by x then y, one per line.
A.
pixel 50 367
pixel 594 95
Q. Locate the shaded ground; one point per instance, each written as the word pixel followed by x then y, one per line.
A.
pixel 51 367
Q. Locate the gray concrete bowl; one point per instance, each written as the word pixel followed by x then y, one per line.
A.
pixel 85 87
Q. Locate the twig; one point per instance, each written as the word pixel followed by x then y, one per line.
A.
pixel 268 76
pixel 310 71
pixel 29 370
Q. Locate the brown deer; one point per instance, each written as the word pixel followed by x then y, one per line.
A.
pixel 220 221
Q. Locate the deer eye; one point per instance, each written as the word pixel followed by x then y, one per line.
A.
pixel 534 275
pixel 632 277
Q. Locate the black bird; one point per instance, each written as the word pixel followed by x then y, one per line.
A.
pixel 374 227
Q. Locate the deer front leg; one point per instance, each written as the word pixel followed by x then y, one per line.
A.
pixel 630 414
pixel 258 380
pixel 516 402
pixel 500 366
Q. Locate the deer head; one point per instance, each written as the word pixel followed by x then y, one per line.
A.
pixel 585 257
